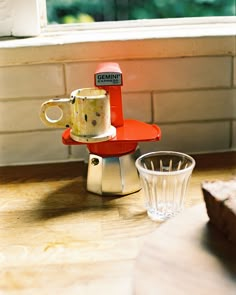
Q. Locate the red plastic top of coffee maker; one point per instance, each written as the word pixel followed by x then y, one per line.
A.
pixel 125 141
pixel 129 132
pixel 108 74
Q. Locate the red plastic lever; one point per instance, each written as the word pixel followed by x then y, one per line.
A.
pixel 109 77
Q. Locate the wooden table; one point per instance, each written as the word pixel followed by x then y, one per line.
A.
pixel 56 238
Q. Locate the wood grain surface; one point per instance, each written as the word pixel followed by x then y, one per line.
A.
pixel 187 255
pixel 55 237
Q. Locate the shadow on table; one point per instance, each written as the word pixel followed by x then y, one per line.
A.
pixel 71 198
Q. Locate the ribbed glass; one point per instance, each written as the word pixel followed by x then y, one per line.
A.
pixel 164 179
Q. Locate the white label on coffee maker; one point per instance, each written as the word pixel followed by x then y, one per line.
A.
pixel 103 79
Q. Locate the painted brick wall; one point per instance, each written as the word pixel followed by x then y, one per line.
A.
pixel 192 99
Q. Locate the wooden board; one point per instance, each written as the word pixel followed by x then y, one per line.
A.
pixel 186 255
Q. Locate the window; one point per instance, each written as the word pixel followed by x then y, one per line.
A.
pixel 25 18
pixel 75 11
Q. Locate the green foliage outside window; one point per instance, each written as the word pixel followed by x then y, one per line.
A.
pixel 73 11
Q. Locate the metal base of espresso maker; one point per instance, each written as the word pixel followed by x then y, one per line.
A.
pixel 113 175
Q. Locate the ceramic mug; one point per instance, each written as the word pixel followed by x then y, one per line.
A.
pixel 86 112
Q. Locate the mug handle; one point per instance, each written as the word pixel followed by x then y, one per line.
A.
pixel 65 118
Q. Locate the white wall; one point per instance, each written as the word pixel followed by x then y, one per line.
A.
pixel 187 89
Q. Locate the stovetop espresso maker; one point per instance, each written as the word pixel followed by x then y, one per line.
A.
pixel 94 116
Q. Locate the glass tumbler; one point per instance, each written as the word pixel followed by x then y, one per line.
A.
pixel 164 177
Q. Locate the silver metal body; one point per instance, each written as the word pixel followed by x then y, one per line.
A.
pixel 113 175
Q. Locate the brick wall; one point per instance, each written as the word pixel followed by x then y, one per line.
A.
pixel 192 97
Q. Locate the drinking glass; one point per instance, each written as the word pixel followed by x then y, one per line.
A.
pixel 164 177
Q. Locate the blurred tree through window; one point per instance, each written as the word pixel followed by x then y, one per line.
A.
pixel 77 11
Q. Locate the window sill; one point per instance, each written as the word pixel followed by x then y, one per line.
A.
pixel 160 38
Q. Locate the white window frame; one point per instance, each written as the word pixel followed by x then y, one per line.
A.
pixel 22 18
pixel 14 13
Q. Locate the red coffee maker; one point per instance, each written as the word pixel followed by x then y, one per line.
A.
pixel 111 165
